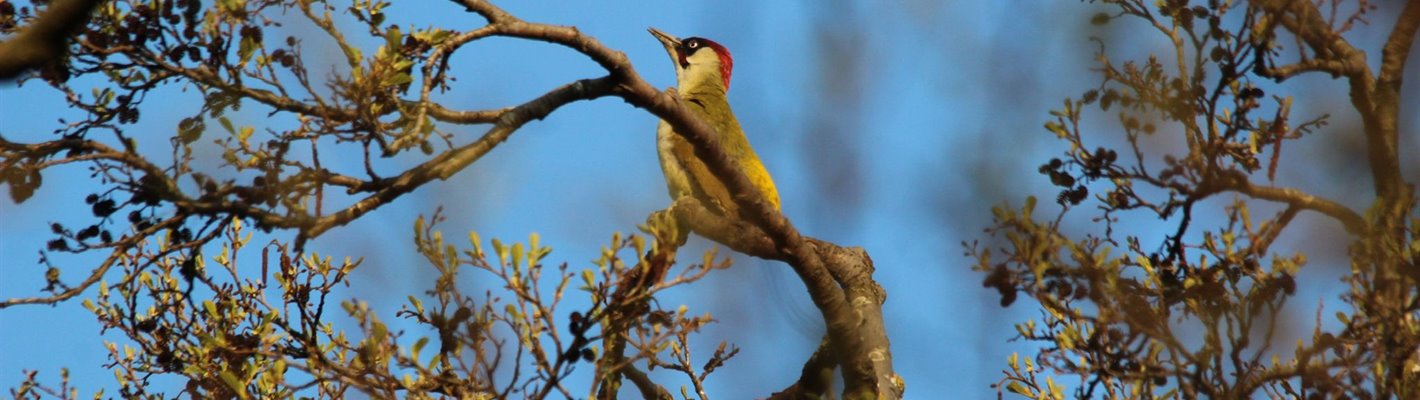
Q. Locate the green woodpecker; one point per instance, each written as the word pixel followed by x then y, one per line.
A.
pixel 702 69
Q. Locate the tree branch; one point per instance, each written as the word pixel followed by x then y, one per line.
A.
pixel 451 162
pixel 1378 102
pixel 1397 47
pixel 838 279
pixel 45 40
pixel 1281 73
pixel 858 338
pixel 1382 127
pixel 1237 182
pixel 648 388
pixel 863 376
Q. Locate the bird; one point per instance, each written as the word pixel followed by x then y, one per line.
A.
pixel 703 68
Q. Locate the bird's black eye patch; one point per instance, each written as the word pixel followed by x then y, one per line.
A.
pixel 687 47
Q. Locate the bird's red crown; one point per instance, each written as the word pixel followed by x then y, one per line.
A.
pixel 727 62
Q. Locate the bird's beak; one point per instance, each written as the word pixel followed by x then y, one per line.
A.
pixel 672 45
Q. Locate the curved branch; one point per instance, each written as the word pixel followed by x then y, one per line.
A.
pixel 866 356
pixel 851 308
pixel 838 279
pixel 453 161
pixel 1237 182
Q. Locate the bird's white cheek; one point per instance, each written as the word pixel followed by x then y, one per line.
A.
pixel 704 69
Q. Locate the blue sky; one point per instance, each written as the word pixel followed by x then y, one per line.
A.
pixel 941 121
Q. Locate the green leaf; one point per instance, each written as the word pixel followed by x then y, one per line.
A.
pixel 227 124
pixel 398 79
pixel 418 345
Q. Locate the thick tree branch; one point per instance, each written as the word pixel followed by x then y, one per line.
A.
pixel 1397 47
pixel 863 376
pixel 838 279
pixel 865 354
pixel 1382 127
pixel 746 238
pixel 853 316
pixel 45 40
pixel 1377 102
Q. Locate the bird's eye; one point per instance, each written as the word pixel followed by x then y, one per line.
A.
pixel 693 44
